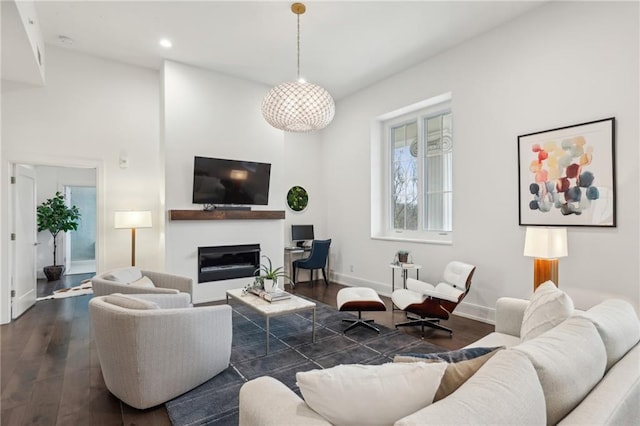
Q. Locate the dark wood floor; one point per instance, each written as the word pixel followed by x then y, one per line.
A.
pixel 50 374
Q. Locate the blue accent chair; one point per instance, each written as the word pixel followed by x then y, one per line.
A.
pixel 316 260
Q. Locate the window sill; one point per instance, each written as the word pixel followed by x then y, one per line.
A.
pixel 413 240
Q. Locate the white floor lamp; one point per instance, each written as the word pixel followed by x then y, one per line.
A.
pixel 133 220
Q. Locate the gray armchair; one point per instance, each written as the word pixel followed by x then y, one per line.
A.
pixel 155 347
pixel 120 281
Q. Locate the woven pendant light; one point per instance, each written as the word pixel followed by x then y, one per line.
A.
pixel 298 106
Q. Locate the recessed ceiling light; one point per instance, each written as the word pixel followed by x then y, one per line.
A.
pixel 166 43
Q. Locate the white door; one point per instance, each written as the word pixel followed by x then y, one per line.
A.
pixel 25 229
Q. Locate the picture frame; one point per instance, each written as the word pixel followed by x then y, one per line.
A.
pixel 566 176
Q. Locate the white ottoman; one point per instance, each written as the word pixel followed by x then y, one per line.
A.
pixel 359 299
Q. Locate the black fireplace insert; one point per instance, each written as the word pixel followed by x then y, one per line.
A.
pixel 227 262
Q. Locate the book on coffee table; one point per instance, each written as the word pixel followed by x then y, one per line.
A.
pixel 271 297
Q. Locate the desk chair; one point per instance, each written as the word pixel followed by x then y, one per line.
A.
pixel 316 260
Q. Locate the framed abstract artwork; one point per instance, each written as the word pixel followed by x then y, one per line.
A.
pixel 566 176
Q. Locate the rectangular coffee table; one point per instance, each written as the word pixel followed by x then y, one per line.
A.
pixel 274 309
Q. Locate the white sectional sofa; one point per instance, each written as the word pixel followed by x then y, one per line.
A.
pixel 583 371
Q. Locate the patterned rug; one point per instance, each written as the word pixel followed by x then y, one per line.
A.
pixel 84 288
pixel 216 401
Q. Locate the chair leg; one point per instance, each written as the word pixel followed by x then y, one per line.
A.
pixel 295 272
pixel 324 275
pixel 435 323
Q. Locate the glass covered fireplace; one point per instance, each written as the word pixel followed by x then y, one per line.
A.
pixel 227 262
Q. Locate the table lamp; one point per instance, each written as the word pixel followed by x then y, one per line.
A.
pixel 545 245
pixel 132 220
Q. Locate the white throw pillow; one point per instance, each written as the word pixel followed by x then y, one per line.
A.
pixel 617 323
pixel 144 282
pixel 124 275
pixel 569 360
pixel 130 302
pixel 357 394
pixel 548 307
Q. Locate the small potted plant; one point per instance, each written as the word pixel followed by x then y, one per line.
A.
pixel 403 256
pixel 54 216
pixel 270 276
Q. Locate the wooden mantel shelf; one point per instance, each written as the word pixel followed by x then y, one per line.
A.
pixel 225 214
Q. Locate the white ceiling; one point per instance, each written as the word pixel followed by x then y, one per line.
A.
pixel 345 45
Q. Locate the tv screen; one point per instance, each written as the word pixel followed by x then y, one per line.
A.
pixel 220 181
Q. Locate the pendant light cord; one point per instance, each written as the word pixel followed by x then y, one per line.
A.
pixel 298 42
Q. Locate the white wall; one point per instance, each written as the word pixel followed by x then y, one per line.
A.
pixel 214 115
pixel 562 64
pixel 90 113
pixel 304 167
pixel 50 180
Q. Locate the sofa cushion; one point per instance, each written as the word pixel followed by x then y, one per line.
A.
pixel 130 302
pixel 614 400
pixel 515 398
pixel 569 360
pixel 144 282
pixel 549 306
pixel 124 275
pixel 462 364
pixel 617 323
pixel 356 394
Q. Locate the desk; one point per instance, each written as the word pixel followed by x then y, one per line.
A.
pixel 291 254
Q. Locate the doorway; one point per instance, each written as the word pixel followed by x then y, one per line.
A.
pixel 50 177
pixel 79 183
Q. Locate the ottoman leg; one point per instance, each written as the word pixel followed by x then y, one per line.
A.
pixel 360 322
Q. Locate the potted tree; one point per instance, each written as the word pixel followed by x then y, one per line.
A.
pixel 54 216
pixel 269 276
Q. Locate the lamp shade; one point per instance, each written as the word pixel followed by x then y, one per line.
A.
pixel 133 219
pixel 546 243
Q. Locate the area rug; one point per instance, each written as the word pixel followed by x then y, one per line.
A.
pixel 84 288
pixel 216 401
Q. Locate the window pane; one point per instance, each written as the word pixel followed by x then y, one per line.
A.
pixel 438 173
pixel 404 189
pixel 439 209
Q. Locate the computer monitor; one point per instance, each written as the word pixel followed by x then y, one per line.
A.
pixel 301 233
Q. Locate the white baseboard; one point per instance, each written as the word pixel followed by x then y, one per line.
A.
pixel 466 310
pixel 476 312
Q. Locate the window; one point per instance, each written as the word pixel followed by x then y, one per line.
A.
pixel 419 191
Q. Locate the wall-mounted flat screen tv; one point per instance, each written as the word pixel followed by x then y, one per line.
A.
pixel 223 182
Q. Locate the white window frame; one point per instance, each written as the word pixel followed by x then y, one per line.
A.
pixel 382 170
